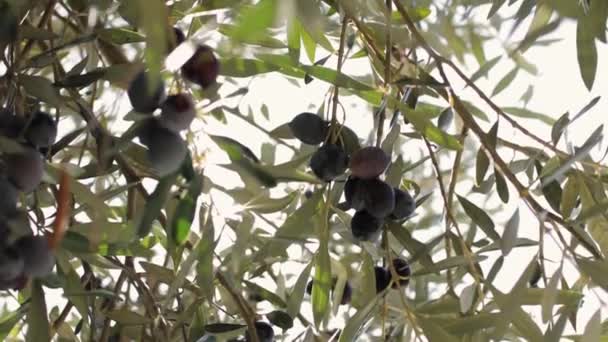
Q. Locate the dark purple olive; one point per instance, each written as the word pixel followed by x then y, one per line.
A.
pixel 11 263
pixel 177 112
pixel 309 128
pixel 178 38
pixel 264 331
pixel 353 194
pixel 11 125
pixel 404 205
pixel 328 162
pixel 403 271
pixel 369 162
pixel 8 198
pixel 37 255
pixel 166 149
pixel 143 98
pixel 25 169
pixel 42 130
pixel 383 278
pixel 202 68
pixel 378 197
pixel 364 226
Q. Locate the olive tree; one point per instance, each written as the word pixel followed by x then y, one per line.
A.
pixel 152 189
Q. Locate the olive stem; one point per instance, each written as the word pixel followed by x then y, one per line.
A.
pixel 387 71
pixel 334 109
pixel 246 311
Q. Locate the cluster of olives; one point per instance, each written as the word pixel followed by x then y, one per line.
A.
pixel 161 135
pixel 383 275
pixel 373 199
pixel 330 160
pixel 22 170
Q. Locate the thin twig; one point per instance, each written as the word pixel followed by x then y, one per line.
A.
pixel 247 313
pixel 387 70
pixel 335 99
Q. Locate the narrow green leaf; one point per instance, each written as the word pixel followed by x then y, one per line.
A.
pixel 156 30
pixel 586 52
pixel 9 321
pixel 448 263
pixel 550 295
pixel 482 162
pixel 485 68
pixel 356 322
pixel 127 317
pixel 496 5
pixel 580 154
pixel 42 89
pixel 425 127
pixel 297 293
pixel 293 38
pixel 505 82
pixel 558 128
pixel 37 320
pixel 528 114
pixel 509 236
pixel 244 67
pixel 596 270
pixel 335 78
pixel 501 186
pixel 253 20
pixel 434 332
pixel 120 35
pixel 204 268
pixel 593 329
pixel 569 197
pixel 184 213
pixel 265 205
pixel 479 217
pixel 154 205
pixel 322 280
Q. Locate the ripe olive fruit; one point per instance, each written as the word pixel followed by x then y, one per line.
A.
pixel 365 226
pixel 11 125
pixel 264 331
pixel 37 255
pixel 202 68
pixel 17 283
pixel 346 293
pixel 178 38
pixel 166 149
pixel 25 169
pixel 328 162
pixel 11 263
pixel 353 194
pixel 403 270
pixel 42 130
pixel 8 198
pixel 383 278
pixel 378 197
pixel 404 205
pixel 309 128
pixel 177 112
pixel 369 162
pixel 142 97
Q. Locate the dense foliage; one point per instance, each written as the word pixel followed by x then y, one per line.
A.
pixel 114 225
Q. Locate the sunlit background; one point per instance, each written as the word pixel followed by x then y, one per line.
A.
pixel 274 100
